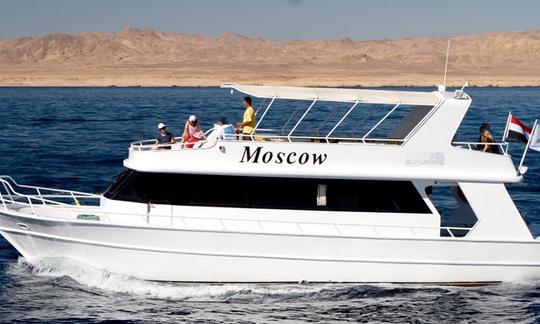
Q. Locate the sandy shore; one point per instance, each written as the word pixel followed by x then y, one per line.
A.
pixel 202 78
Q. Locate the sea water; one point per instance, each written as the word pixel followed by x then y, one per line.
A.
pixel 76 138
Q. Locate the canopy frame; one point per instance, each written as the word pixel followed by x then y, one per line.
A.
pixel 356 96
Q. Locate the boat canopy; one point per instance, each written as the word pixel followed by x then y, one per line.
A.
pixel 416 98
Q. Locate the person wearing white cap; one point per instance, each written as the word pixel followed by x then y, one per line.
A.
pixel 192 131
pixel 164 137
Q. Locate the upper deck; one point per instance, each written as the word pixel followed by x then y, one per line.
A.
pixel 406 135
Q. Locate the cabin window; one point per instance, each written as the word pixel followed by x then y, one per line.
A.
pixel 266 192
pixel 454 209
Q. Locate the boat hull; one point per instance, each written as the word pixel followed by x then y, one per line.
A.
pixel 166 254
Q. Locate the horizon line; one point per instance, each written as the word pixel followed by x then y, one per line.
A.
pixel 216 36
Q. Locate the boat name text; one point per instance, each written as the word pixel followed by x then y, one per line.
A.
pixel 257 155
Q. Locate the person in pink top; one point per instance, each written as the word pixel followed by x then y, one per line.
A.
pixel 192 132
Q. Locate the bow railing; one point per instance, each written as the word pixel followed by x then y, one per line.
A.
pixel 18 195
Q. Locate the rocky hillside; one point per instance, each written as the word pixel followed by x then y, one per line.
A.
pixel 233 56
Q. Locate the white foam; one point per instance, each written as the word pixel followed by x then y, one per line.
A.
pixel 110 282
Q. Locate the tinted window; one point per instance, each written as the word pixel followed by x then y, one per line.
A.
pixel 263 192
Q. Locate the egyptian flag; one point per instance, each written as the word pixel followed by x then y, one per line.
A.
pixel 517 130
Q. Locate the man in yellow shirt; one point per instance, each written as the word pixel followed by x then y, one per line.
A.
pixel 248 123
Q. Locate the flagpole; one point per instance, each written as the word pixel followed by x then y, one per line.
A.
pixel 528 144
pixel 446 65
pixel 505 135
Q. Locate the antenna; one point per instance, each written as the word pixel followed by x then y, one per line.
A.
pixel 446 65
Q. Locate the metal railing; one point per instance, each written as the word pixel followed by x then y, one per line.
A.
pixel 339 229
pixel 149 145
pixel 14 201
pixel 475 146
pixel 324 139
pixel 11 193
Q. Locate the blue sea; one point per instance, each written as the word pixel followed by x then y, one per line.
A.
pixel 76 138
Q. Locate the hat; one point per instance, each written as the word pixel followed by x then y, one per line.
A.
pixel 161 125
pixel 192 118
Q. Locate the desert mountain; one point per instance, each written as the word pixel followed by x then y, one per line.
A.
pixel 150 57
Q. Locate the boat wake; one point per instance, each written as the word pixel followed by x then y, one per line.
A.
pixel 88 277
pixel 120 296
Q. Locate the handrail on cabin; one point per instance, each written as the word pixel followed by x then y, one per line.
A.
pixel 147 145
pixel 474 145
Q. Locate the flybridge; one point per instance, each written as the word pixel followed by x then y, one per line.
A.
pixel 373 116
pixel 381 134
pixel 405 109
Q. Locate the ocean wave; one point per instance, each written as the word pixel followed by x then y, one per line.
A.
pixel 94 278
pixel 114 294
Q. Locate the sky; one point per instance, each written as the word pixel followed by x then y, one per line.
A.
pixel 275 19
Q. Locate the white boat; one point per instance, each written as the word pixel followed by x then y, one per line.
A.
pixel 284 207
